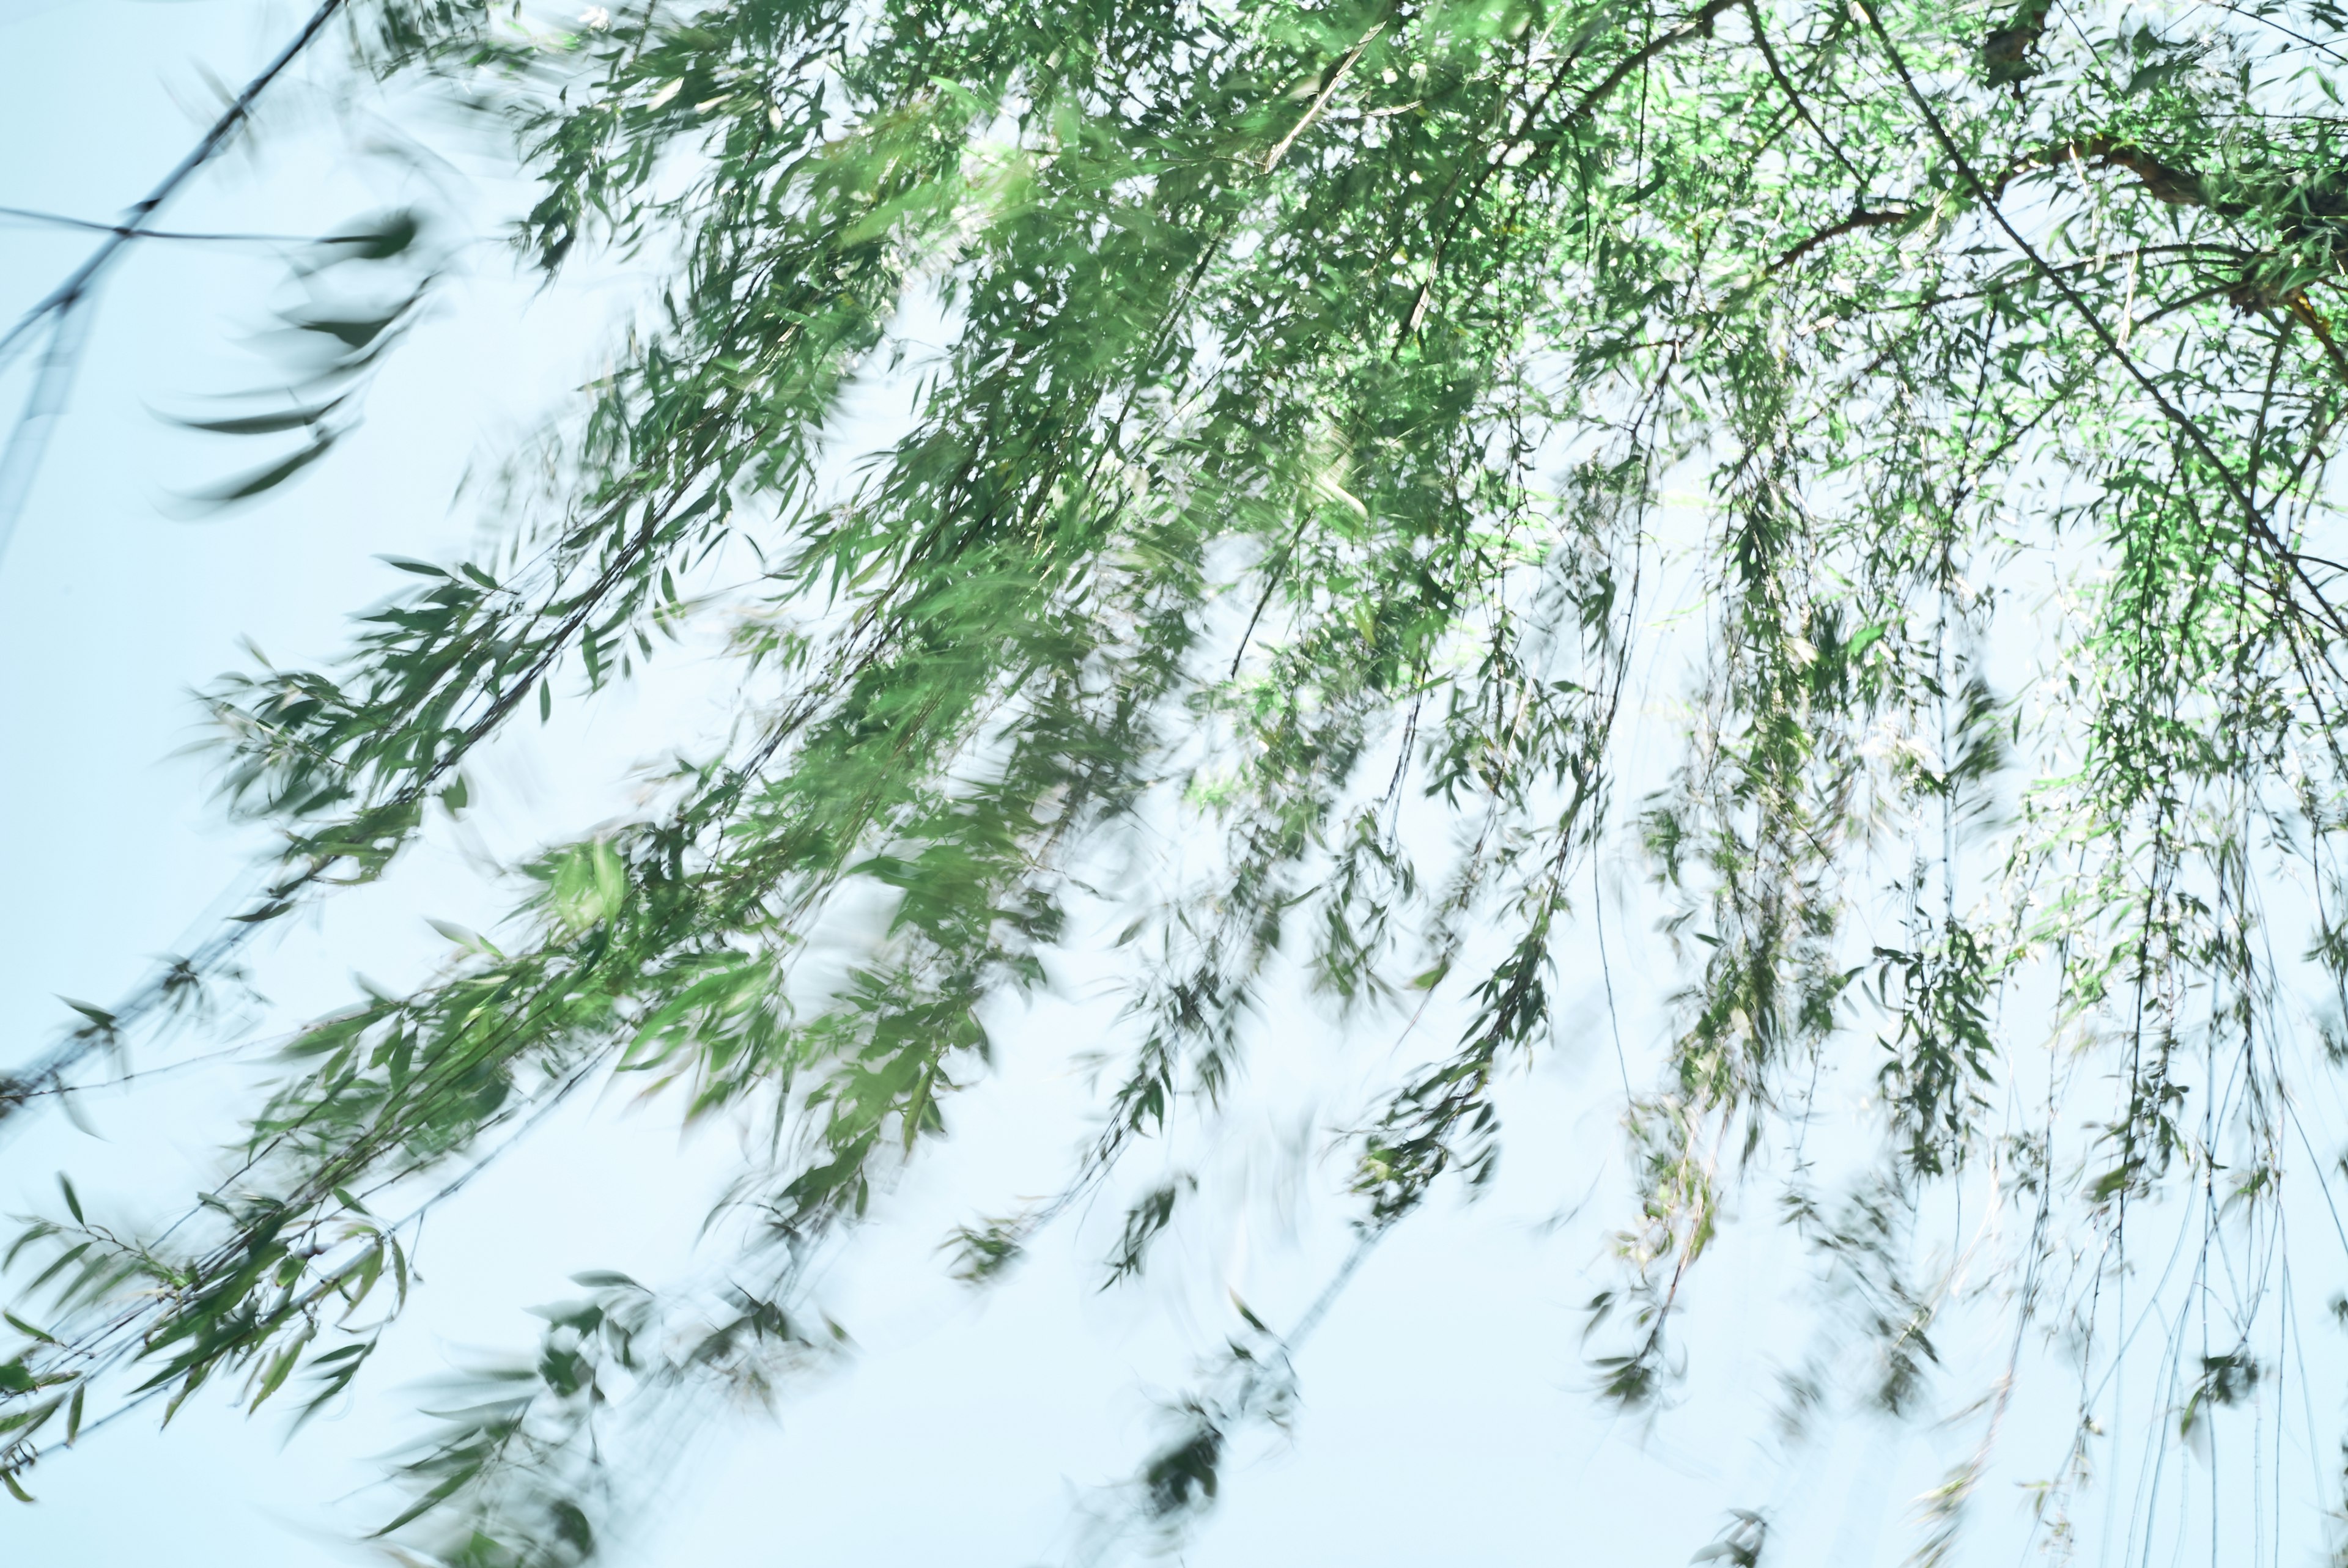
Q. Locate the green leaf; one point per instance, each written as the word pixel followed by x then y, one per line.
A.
pixel 265 479
pixel 25 1328
pixel 390 236
pixel 266 423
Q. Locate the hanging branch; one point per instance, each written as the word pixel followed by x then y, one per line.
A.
pixel 63 309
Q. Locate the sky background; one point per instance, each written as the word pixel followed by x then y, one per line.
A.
pixel 1445 1416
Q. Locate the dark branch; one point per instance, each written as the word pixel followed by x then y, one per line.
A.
pixel 22 456
pixel 1863 219
pixel 66 294
pixel 65 220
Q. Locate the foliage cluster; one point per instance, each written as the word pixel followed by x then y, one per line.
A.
pixel 1296 480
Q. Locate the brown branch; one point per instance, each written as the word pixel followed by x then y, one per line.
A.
pixel 2179 186
pixel 1860 219
pixel 2164 182
pixel 2304 309
pixel 2186 426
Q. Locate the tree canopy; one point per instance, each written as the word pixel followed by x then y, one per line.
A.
pixel 1855 473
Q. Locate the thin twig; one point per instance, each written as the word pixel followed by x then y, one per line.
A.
pixel 1271 159
pixel 23 454
pixel 128 232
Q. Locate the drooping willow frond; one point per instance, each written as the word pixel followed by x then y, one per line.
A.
pixel 1343 407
